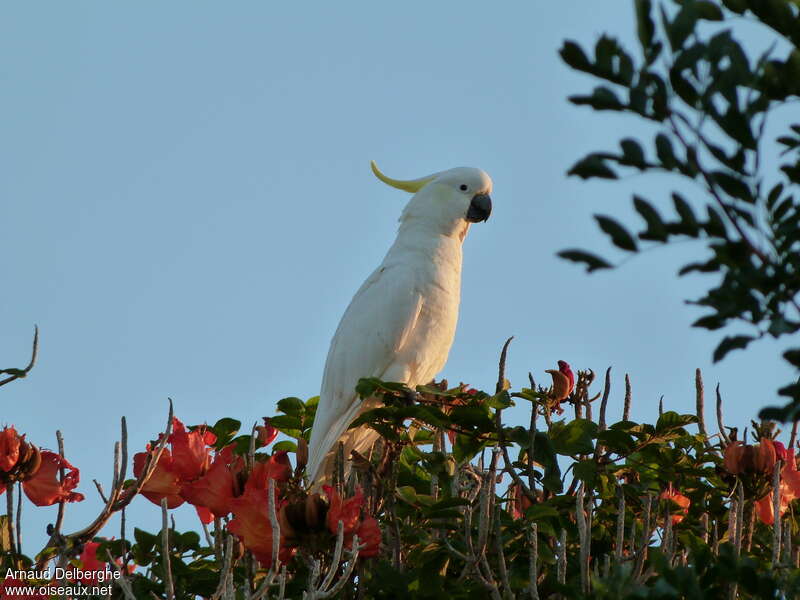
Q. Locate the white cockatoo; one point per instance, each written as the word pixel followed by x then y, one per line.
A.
pixel 400 324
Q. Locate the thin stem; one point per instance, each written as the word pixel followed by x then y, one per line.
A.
pixel 165 552
pixel 626 408
pixel 700 403
pixel 20 373
pixel 10 515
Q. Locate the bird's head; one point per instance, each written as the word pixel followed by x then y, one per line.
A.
pixel 447 200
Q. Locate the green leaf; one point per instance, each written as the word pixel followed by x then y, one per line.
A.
pixel 144 539
pixel 671 420
pixel 574 437
pixel 656 230
pixel 466 447
pixel 618 234
pixel 715 226
pixel 292 406
pixel 541 511
pixel 285 445
pixel 586 470
pixel 644 24
pixel 733 186
pixel 592 262
pixel 632 153
pixel 602 98
pixel 689 224
pixel 226 427
pixel 708 10
pixel 729 343
pixel 501 400
pixel 284 422
pixel 681 27
pixel 592 166
pixel 710 322
pixel 664 152
pixel 616 440
pixel 407 494
pixel 572 54
pixel 793 356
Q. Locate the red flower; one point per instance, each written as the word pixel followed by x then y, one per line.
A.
pixel 563 384
pixel 789 490
pixel 19 460
pixel 91 566
pixel 519 502
pixel 251 511
pixel 277 467
pixel 743 458
pixel 682 501
pixel 163 481
pixel 96 572
pixel 215 490
pixel 44 489
pixel 190 454
pixel 563 367
pixel 347 511
pixel 9 448
pixel 187 459
pixel 369 534
pixel 266 434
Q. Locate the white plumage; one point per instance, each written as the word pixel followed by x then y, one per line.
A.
pixel 400 324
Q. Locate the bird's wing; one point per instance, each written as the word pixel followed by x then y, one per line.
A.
pixel 375 327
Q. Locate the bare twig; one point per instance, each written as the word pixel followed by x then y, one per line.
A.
pixel 19 519
pixel 20 373
pixel 276 527
pixel 620 524
pixel 117 500
pixel 700 403
pixel 501 557
pixel 337 557
pixel 561 571
pixel 583 538
pixel 99 487
pixel 165 552
pixel 776 514
pixel 501 368
pixel 10 515
pixel 626 407
pixel 225 572
pixel 533 561
pixel 604 401
pixel 641 555
pixel 122 580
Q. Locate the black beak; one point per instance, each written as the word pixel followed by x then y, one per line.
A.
pixel 480 208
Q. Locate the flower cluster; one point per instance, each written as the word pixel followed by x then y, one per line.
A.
pixel 217 483
pixel 37 470
pixel 186 472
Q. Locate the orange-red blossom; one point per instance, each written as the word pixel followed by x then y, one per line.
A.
pixel 743 458
pixel 789 489
pixel 38 470
pixel 348 511
pixel 251 522
pixel 682 501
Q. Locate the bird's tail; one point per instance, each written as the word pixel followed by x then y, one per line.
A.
pixel 321 452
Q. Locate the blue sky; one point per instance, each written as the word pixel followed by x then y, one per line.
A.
pixel 187 209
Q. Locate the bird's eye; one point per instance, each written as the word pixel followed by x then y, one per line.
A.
pixel 463 187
